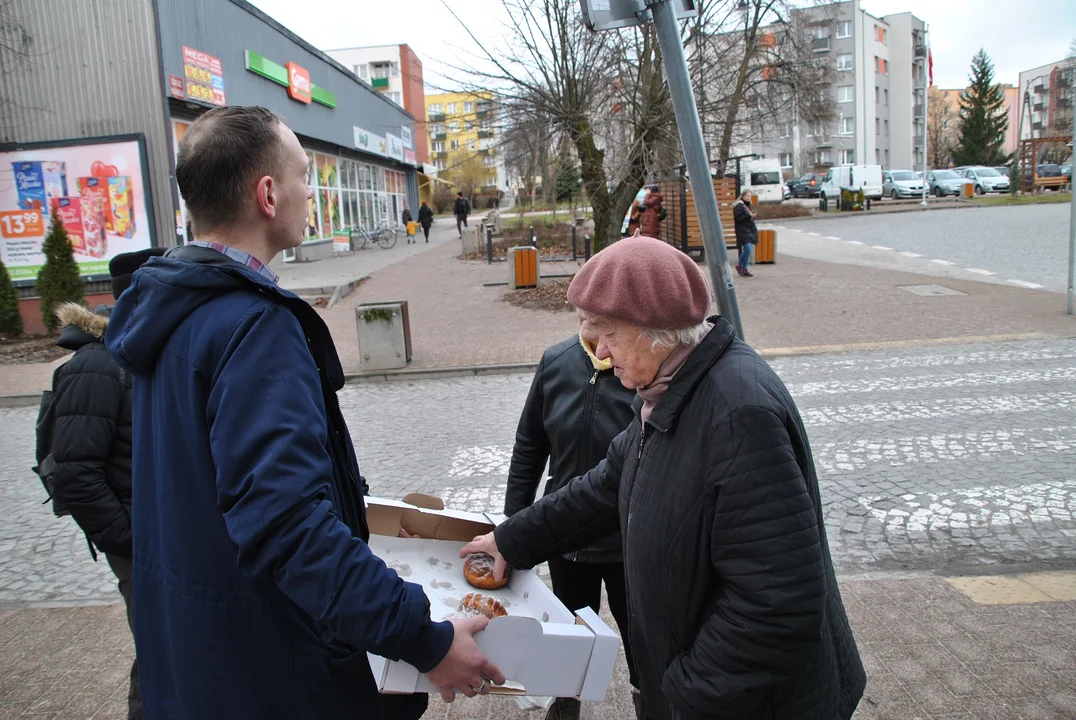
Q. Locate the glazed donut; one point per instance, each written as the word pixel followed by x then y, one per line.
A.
pixel 478 571
pixel 479 604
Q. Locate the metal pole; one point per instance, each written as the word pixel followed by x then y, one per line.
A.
pixel 575 245
pixel 702 188
pixel 534 240
pixel 489 244
pixel 586 247
pixel 926 99
pixel 1071 310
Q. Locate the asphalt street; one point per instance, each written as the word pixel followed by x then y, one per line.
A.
pixel 1024 245
pixel 943 458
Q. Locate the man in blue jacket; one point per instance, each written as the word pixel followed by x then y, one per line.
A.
pixel 256 593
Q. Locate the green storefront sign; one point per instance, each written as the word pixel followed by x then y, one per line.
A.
pixel 270 70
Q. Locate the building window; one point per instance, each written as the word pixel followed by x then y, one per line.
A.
pixel 848 157
pixel 880 34
pixel 846 94
pixel 885 94
pixel 381 71
pixel 489 161
pixel 784 129
pixel 885 66
pixel 394 97
pixel 786 159
pixel 877 94
pixel 877 126
pixel 823 157
pixel 435 109
pixel 454 125
pixel 844 62
pixel 452 108
pixel 439 164
pixel 887 128
pixel 437 146
pixel 394 69
pixel 359 70
pixel 471 144
pixel 887 158
pixel 468 125
pixel 848 125
pixel 453 144
pixel 468 107
pixel 437 128
pixel 877 155
pixel 844 29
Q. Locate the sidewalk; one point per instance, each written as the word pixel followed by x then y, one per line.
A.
pixel 931 652
pixel 796 305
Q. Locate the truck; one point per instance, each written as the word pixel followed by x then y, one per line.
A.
pixel 867 177
pixel 763 178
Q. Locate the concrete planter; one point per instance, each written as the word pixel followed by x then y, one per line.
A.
pixel 384 335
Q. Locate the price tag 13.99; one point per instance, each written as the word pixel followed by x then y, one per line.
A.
pixel 21 223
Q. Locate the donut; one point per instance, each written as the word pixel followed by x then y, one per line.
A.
pixel 479 604
pixel 478 571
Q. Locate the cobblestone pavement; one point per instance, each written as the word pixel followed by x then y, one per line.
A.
pixel 1022 245
pixel 929 458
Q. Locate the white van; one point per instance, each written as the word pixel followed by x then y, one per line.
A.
pixel 763 178
pixel 867 177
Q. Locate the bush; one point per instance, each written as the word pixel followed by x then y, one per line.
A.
pixel 10 319
pixel 776 211
pixel 442 199
pixel 59 280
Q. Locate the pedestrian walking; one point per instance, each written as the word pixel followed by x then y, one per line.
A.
pixel 258 596
pixel 574 409
pixel 743 215
pixel 461 210
pixel 728 571
pixel 84 449
pixel 652 212
pixel 409 229
pixel 425 219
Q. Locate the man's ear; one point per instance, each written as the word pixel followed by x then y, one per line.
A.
pixel 266 196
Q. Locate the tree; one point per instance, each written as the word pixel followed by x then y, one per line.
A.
pixel 10 319
pixel 983 118
pixel 466 171
pixel 942 128
pixel 59 280
pixel 566 173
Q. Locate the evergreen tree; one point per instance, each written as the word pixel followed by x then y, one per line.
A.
pixel 983 119
pixel 567 184
pixel 10 319
pixel 59 280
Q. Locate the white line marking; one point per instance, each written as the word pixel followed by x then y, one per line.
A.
pixel 1026 284
pixel 881 247
pixel 910 254
pixel 813 234
pixel 933 382
pixel 898 411
pixel 980 271
pixel 942 262
pixel 830 237
pixel 853 242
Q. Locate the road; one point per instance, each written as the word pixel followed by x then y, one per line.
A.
pixel 1024 245
pixel 929 459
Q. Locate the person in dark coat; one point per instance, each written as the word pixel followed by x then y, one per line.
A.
pixel 405 218
pixel 461 210
pixel 574 409
pixel 425 219
pixel 743 215
pixel 257 595
pixel 650 222
pixel 729 576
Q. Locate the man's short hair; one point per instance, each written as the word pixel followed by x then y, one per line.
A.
pixel 221 157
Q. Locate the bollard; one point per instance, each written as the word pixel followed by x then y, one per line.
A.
pixel 489 244
pixel 534 240
pixel 586 247
pixel 575 246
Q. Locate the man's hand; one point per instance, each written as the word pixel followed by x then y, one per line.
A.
pixel 465 666
pixel 487 544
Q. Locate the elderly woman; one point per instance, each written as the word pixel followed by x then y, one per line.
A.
pixel 743 216
pixel 734 609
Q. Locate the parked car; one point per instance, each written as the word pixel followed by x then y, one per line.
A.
pixel 808 186
pixel 986 179
pixel 763 178
pixel 865 177
pixel 945 182
pixel 1066 170
pixel 901 184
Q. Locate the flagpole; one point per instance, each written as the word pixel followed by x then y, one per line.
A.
pixel 928 80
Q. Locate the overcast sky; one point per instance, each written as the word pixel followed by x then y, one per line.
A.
pixel 1016 34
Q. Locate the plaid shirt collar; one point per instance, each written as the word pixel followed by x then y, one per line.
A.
pixel 239 256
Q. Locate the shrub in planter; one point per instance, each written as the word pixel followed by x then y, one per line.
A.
pixel 10 319
pixel 59 280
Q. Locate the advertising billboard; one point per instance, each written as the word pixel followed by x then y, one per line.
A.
pixel 98 187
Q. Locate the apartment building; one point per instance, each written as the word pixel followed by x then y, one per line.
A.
pixel 396 72
pixel 950 102
pixel 878 94
pixel 462 133
pixel 1048 93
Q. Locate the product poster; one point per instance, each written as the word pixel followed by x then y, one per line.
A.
pixel 98 189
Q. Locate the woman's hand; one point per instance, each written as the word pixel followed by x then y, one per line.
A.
pixel 487 544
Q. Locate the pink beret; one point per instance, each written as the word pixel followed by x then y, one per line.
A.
pixel 642 281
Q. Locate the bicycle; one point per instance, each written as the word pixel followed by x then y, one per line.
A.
pixel 383 235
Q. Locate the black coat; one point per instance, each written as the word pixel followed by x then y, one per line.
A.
pixel 425 216
pixel 572 414
pixel 462 207
pixel 729 578
pixel 746 230
pixel 91 436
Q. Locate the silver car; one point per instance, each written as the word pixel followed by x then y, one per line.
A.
pixel 901 184
pixel 945 182
pixel 986 179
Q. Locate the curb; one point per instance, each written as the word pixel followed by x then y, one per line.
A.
pixel 446 372
pixel 869 213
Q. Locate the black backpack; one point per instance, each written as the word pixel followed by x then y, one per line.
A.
pixel 46 418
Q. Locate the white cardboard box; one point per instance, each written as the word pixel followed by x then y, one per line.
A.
pixel 541 647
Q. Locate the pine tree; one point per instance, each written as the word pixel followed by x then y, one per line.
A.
pixel 59 280
pixel 983 119
pixel 10 319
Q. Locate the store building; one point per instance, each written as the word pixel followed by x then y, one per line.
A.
pixel 153 66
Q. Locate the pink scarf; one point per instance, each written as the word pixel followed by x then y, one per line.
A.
pixel 653 392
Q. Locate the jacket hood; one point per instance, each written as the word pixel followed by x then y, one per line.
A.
pixel 81 325
pixel 164 292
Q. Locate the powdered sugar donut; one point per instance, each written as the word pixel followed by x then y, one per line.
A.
pixel 479 604
pixel 478 571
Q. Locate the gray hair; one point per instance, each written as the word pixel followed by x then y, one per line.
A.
pixel 680 337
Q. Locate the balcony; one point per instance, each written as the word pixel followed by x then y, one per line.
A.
pixel 1036 126
pixel 820 44
pixel 1039 89
pixel 380 83
pixel 1038 107
pixel 920 52
pixel 917 111
pixel 437 135
pixel 485 133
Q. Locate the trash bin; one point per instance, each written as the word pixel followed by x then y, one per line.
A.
pixel 766 250
pixel 969 190
pixel 523 267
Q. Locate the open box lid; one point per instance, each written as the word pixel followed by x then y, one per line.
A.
pixel 425 516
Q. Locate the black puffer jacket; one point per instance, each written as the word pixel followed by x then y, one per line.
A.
pixel 746 229
pixel 730 583
pixel 572 414
pixel 91 436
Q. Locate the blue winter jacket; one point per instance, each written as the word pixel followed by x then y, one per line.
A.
pixel 255 593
